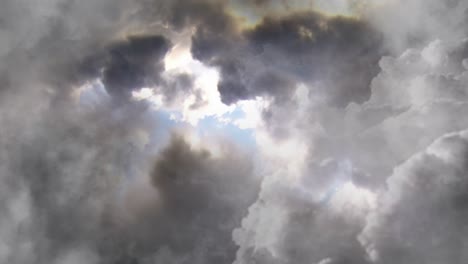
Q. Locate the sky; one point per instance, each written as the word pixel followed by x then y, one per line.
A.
pixel 233 132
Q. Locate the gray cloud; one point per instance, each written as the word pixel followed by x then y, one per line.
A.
pixel 331 52
pixel 417 98
pixel 203 200
pixel 133 63
pixel 66 166
pixel 420 218
pixel 74 175
pixel 65 44
pixel 77 187
pixel 416 23
pixel 287 225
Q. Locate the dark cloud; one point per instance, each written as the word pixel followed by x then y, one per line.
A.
pixel 72 43
pixel 199 200
pixel 333 57
pixel 336 53
pixel 85 179
pixel 134 63
pixel 416 98
pixel 74 175
pixel 78 184
pixel 230 86
pixel 203 200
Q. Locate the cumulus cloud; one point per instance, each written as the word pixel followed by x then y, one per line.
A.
pixel 420 216
pixel 288 225
pixel 416 98
pixel 357 112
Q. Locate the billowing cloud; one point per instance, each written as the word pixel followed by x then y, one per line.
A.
pixel 417 98
pixel 79 186
pixel 203 199
pixel 420 217
pixel 292 223
pixel 335 53
pixel 357 110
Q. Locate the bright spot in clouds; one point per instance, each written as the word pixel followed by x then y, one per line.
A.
pixel 243 115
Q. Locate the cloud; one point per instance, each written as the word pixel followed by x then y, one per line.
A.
pixel 133 62
pixel 288 224
pixel 415 23
pixel 61 173
pixel 75 177
pixel 420 216
pixel 280 52
pixel 203 199
pixel 342 104
pixel 416 98
pixel 80 187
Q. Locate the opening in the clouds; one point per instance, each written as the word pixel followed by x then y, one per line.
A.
pixel 234 124
pixel 92 94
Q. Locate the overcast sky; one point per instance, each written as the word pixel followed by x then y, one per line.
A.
pixel 233 132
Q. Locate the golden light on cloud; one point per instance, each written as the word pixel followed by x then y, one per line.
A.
pixel 251 12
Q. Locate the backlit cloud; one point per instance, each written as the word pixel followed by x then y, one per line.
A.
pixel 233 131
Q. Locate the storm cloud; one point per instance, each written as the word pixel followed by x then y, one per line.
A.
pixel 133 63
pixel 357 112
pixel 72 169
pixel 417 97
pixel 81 186
pixel 335 53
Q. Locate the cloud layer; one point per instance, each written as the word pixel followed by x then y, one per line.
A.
pixel 359 129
